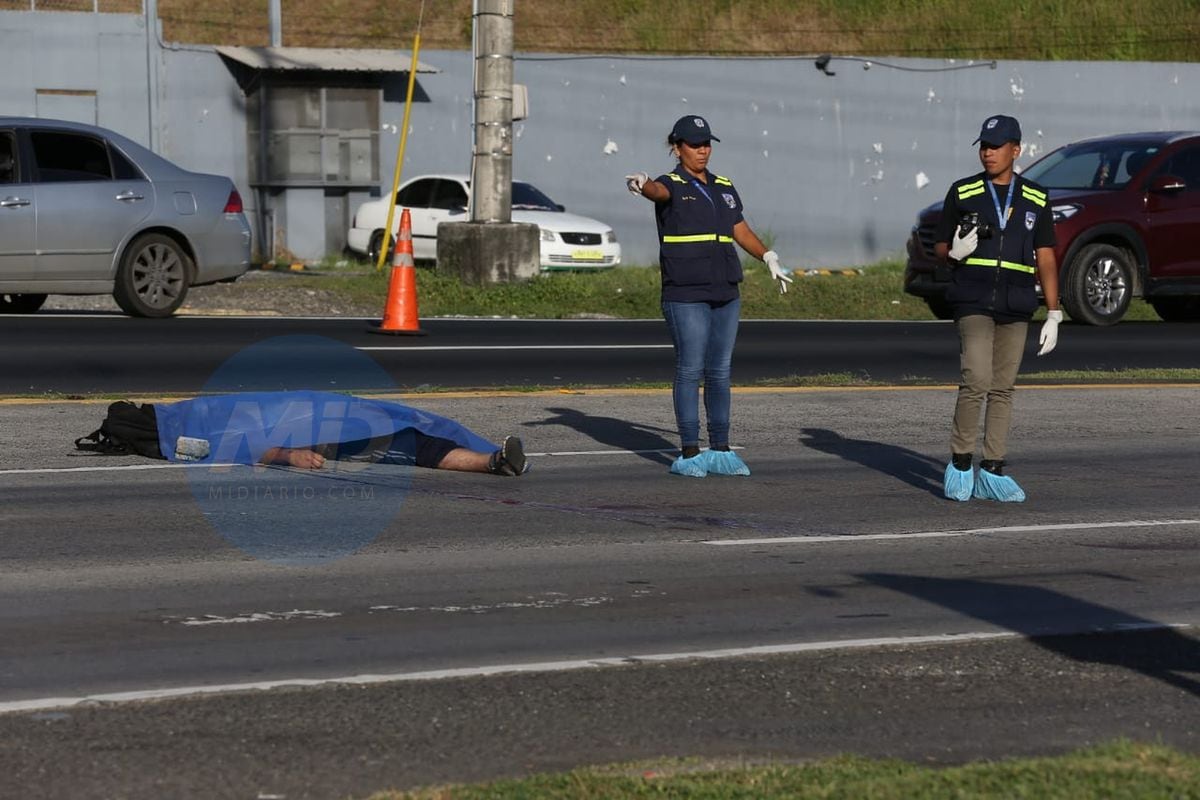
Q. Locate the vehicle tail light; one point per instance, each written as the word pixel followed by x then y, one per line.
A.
pixel 234 204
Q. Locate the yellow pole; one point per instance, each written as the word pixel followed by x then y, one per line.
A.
pixel 387 228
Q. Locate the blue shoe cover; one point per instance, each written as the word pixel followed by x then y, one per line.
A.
pixel 1000 488
pixel 725 462
pixel 694 467
pixel 958 483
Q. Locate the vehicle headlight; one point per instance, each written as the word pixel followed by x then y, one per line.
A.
pixel 548 235
pixel 1065 211
pixel 610 237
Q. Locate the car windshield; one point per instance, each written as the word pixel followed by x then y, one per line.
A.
pixel 528 197
pixel 1092 165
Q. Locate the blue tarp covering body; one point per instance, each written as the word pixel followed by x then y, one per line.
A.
pixel 241 427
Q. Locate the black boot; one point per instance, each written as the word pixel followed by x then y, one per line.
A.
pixel 961 461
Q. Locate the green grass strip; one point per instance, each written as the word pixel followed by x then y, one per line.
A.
pixel 847 379
pixel 1118 770
pixel 631 293
pixel 1149 375
pixel 874 292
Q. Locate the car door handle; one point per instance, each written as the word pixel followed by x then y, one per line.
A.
pixel 130 196
pixel 13 202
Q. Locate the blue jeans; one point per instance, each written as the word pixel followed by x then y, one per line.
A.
pixel 703 334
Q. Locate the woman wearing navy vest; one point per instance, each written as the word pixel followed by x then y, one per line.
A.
pixel 699 217
pixel 997 231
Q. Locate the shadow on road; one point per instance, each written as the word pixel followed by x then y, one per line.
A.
pixel 915 469
pixel 1053 621
pixel 614 432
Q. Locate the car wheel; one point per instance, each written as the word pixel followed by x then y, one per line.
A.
pixel 939 307
pixel 1177 309
pixel 376 243
pixel 152 280
pixel 21 303
pixel 1098 285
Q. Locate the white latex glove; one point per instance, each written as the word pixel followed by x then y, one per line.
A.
pixel 961 247
pixel 1048 338
pixel 635 182
pixel 771 259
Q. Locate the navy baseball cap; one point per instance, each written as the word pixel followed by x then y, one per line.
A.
pixel 693 130
pixel 999 130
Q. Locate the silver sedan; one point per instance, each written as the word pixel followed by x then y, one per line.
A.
pixel 83 210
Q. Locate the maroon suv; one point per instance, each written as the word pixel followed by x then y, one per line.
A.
pixel 1127 218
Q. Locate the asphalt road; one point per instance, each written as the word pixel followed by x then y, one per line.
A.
pixel 79 354
pixel 903 624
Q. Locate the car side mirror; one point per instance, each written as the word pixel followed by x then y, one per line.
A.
pixel 1166 184
pixel 560 206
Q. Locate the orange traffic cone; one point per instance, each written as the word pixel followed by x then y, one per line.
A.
pixel 400 310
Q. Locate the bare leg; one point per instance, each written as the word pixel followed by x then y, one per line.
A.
pixel 299 458
pixel 463 460
pixel 460 459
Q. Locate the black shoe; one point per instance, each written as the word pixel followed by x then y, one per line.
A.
pixel 994 466
pixel 509 459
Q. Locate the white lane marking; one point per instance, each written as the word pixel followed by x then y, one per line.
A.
pixel 47 703
pixel 602 452
pixel 110 468
pixel 483 608
pixel 850 537
pixel 473 347
pixel 254 616
pixel 311 614
pixel 668 451
pixel 177 465
pixel 200 314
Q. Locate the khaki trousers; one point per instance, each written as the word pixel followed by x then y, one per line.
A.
pixel 990 356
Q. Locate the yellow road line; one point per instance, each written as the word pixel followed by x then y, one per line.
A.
pixel 615 392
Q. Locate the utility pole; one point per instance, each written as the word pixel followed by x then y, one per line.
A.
pixel 491 248
pixel 491 158
pixel 275 22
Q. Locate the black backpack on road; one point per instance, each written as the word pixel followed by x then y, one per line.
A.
pixel 128 430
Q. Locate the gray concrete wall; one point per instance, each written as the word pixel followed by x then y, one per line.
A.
pixel 833 169
pixel 201 123
pixel 78 52
pixel 200 109
pixel 203 116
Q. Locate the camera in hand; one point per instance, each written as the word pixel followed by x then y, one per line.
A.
pixel 971 221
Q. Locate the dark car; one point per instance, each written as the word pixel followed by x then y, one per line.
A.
pixel 1127 219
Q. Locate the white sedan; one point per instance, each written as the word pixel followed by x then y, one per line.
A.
pixel 569 241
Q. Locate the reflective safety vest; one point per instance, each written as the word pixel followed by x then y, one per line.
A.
pixel 696 247
pixel 1000 277
pixel 993 262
